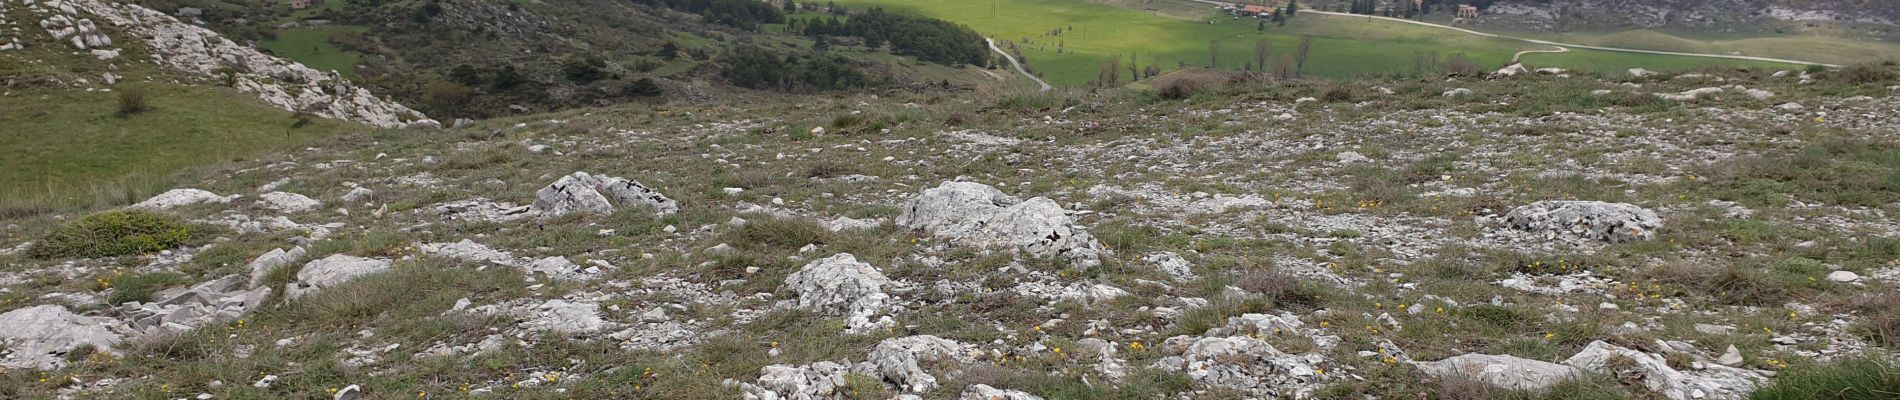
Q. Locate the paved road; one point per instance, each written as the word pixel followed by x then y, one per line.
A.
pixel 1019 67
pixel 1550 43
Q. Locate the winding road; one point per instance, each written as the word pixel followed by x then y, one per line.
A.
pixel 1560 49
pixel 1018 66
pixel 1550 43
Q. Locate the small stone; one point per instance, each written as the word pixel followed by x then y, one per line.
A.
pixel 1843 276
pixel 1731 357
pixel 658 314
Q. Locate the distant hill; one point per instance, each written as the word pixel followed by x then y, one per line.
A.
pixel 477 59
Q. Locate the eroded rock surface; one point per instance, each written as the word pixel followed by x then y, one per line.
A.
pixel 332 271
pixel 975 214
pixel 1612 222
pixel 39 337
pixel 843 286
pixel 586 193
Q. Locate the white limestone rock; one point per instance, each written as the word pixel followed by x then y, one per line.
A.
pixel 985 392
pixel 183 309
pixel 39 337
pixel 276 258
pixel 332 271
pixel 575 318
pixel 358 195
pixel 1245 364
pixel 288 202
pixel 1501 371
pixel 182 197
pixel 841 285
pixel 909 362
pixel 821 380
pixel 1612 222
pixel 582 192
pixel 975 214
pixel 1715 382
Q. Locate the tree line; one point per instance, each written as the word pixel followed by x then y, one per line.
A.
pixel 743 14
pixel 758 68
pixel 928 39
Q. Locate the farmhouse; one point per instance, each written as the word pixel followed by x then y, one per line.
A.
pixel 1252 10
pixel 1467 11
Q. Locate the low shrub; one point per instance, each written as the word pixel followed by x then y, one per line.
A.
pixel 114 233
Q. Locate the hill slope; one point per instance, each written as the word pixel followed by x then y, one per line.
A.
pixel 1655 237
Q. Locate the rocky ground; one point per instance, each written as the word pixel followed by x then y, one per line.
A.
pixel 1643 236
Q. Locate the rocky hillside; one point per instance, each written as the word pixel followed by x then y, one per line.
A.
pixel 115 33
pixel 1685 14
pixel 1540 235
pixel 479 59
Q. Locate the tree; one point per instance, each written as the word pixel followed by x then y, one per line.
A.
pixel 791 6
pixel 1262 26
pixel 1133 73
pixel 1213 54
pixel 1111 72
pixel 669 50
pixel 446 98
pixel 1260 49
pixel 644 87
pixel 584 70
pixel 1291 7
pixel 1306 47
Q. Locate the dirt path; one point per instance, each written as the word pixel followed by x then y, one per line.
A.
pixel 1018 66
pixel 1550 43
pixel 1560 49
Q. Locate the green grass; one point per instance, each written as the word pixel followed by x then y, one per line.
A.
pixel 311 46
pixel 1852 379
pixel 1342 46
pixel 66 147
pixel 1815 48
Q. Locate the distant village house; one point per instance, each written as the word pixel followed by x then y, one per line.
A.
pixel 1467 11
pixel 1253 10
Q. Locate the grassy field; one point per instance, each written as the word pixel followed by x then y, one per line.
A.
pixel 1067 40
pixel 311 46
pixel 1796 47
pixel 67 147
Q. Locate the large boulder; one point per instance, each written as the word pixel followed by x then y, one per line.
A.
pixel 180 310
pixel 819 381
pixel 277 258
pixel 842 285
pixel 1613 222
pixel 332 271
pixel 975 214
pixel 1501 371
pixel 585 193
pixel 288 202
pixel 1713 382
pixel 1246 364
pixel 181 197
pixel 910 362
pixel 40 337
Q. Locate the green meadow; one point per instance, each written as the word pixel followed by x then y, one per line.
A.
pixel 311 46
pixel 1067 41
